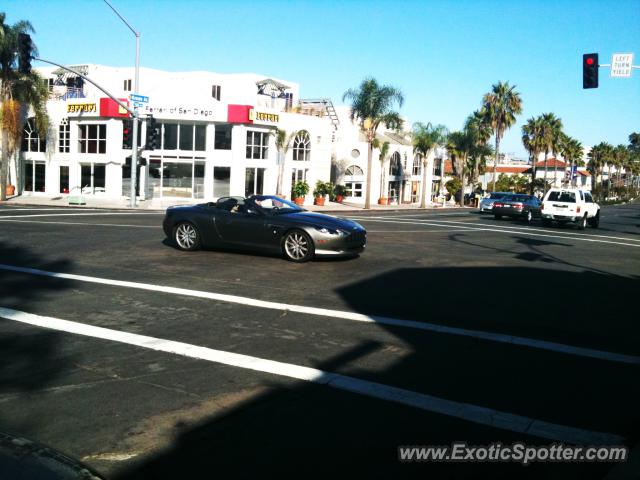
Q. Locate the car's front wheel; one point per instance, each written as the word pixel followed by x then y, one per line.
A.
pixel 529 216
pixel 297 246
pixel 186 236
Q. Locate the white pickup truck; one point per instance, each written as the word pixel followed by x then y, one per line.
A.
pixel 565 205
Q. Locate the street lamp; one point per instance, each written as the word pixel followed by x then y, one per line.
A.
pixel 134 143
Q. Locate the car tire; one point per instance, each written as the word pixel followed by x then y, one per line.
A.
pixel 546 222
pixel 529 217
pixel 186 236
pixel 297 246
pixel 582 223
pixel 497 217
pixel 595 221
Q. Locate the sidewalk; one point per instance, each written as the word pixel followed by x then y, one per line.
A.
pixel 156 204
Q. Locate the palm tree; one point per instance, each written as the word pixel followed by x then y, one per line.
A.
pixel 620 159
pixel 18 92
pixel 460 145
pixel 501 106
pixel 427 138
pixel 384 151
pixel 478 123
pixel 598 157
pixel 532 141
pixel 571 150
pixel 283 143
pixel 551 132
pixel 372 105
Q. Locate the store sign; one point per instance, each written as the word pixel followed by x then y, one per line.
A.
pixel 175 111
pixel 255 116
pixel 82 108
pixel 110 108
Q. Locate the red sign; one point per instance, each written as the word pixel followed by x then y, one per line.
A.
pixel 239 113
pixel 109 108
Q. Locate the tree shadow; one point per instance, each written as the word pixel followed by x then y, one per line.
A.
pixel 310 430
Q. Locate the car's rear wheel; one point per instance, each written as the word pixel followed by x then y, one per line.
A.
pixel 297 246
pixel 496 216
pixel 595 221
pixel 529 216
pixel 186 236
pixel 582 223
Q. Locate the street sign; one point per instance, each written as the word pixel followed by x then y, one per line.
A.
pixel 621 64
pixel 138 104
pixel 138 98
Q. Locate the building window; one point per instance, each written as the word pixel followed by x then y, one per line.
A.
pixel 92 178
pixel 301 146
pixel 221 181
pixel 395 167
pixel 417 165
pixel 353 189
pixel 437 167
pixel 355 153
pixel 64 136
pixel 184 136
pixel 93 138
pixel 177 179
pixel 64 179
pixel 127 85
pixel 215 92
pixel 34 176
pixel 257 145
pixel 31 141
pixel 223 137
pixel 253 181
pixel 298 175
pixel 353 171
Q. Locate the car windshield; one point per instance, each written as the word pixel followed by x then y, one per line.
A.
pixel 562 196
pixel 275 205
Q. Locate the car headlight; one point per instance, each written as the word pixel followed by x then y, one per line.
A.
pixel 330 231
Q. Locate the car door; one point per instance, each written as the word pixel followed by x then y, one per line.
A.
pixel 246 227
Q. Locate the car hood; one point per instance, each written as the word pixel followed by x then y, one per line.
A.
pixel 321 220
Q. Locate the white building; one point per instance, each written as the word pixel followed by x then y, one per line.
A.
pixel 215 136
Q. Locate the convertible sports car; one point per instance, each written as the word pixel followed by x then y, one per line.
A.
pixel 266 223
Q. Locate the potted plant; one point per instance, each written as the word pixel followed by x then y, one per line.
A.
pixel 339 191
pixel 300 189
pixel 319 193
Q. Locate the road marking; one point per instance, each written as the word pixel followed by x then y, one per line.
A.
pixel 84 224
pixel 95 214
pixel 35 209
pixel 462 229
pixel 512 230
pixel 465 411
pixel 344 315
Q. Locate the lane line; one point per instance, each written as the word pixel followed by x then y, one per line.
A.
pixel 465 411
pixel 501 230
pixel 523 228
pixel 96 214
pixel 344 315
pixel 83 224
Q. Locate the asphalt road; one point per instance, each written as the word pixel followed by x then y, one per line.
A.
pixel 452 326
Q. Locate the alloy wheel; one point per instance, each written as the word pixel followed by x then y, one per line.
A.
pixel 296 246
pixel 186 236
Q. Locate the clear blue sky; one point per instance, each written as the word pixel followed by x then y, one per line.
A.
pixel 443 55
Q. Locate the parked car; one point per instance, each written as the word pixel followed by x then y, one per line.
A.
pixel 522 206
pixel 263 222
pixel 486 204
pixel 570 205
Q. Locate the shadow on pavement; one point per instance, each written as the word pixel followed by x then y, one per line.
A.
pixel 310 430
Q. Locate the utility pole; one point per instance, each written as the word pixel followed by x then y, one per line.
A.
pixel 136 87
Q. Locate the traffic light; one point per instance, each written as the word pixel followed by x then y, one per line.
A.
pixel 590 70
pixel 127 134
pixel 153 130
pixel 25 52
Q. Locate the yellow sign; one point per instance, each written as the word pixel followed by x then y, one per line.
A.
pixel 263 117
pixel 82 108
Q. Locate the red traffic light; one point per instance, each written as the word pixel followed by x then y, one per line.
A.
pixel 589 60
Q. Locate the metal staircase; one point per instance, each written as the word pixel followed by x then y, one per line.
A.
pixel 322 107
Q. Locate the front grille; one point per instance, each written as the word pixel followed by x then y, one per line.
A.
pixel 357 238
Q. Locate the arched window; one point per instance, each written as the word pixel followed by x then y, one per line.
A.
pixel 31 141
pixel 302 146
pixel 417 164
pixel 395 167
pixel 354 171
